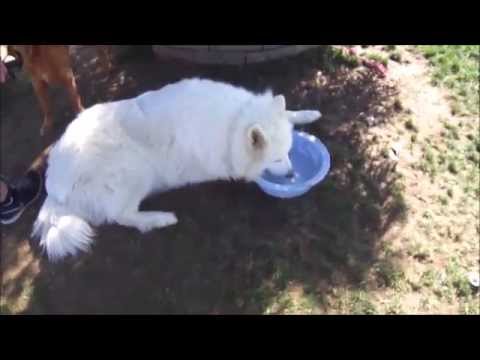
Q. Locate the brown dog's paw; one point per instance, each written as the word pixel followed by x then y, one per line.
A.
pixel 46 129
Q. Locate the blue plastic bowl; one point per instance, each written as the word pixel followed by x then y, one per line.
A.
pixel 311 163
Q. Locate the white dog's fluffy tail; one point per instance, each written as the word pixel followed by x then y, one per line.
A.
pixel 61 232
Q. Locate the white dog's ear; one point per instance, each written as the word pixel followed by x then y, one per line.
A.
pixel 280 103
pixel 303 117
pixel 257 138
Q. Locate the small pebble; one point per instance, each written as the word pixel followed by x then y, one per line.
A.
pixel 474 279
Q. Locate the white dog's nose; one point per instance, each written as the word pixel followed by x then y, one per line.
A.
pixel 290 174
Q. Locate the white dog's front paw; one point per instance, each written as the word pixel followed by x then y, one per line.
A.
pixel 312 115
pixel 156 220
pixel 304 116
pixel 167 219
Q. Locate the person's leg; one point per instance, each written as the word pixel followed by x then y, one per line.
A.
pixel 17 195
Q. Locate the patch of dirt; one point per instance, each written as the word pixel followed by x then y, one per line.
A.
pixel 429 108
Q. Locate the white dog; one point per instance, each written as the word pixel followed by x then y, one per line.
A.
pixel 114 155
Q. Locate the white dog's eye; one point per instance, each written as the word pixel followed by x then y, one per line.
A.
pixel 278 161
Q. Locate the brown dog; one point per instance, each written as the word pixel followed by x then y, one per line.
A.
pixel 48 65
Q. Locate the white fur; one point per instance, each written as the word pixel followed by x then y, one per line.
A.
pixel 114 155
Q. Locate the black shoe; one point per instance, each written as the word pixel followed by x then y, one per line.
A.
pixel 22 193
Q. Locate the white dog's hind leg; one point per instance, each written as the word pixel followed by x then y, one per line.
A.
pixel 145 221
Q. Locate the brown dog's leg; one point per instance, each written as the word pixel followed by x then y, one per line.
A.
pixel 41 89
pixel 106 56
pixel 40 163
pixel 75 99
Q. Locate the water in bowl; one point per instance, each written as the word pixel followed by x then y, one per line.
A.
pixel 305 164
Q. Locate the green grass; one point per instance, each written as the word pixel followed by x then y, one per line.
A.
pixel 383 59
pixel 457 153
pixel 428 278
pixel 471 306
pixel 395 307
pixel 457 68
pixel 454 159
pixel 4 310
pixel 283 303
pixel 337 56
pixel 428 164
pixel 452 283
pixel 391 275
pixel 457 279
pixel 357 302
